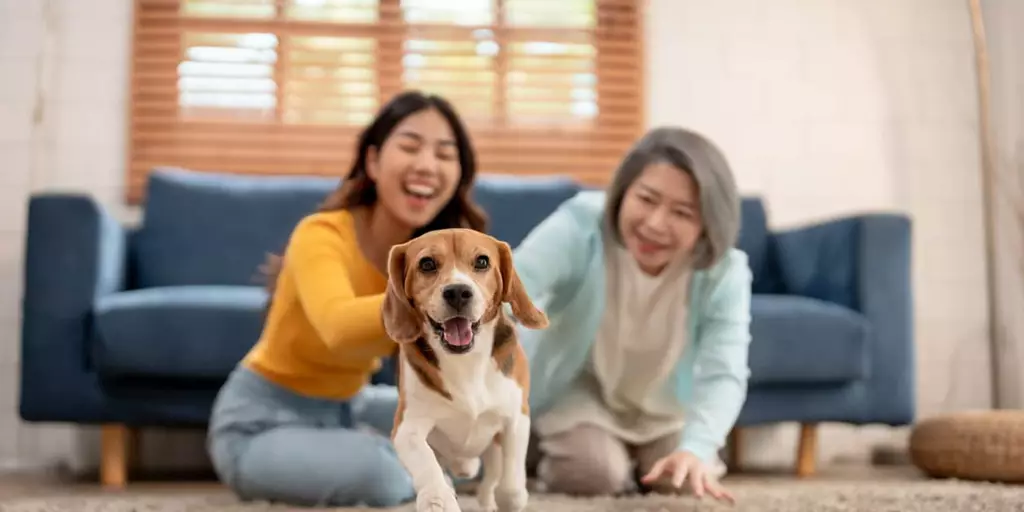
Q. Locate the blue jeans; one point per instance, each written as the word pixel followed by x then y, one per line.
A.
pixel 268 443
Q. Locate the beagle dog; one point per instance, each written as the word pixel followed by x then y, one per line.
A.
pixel 463 380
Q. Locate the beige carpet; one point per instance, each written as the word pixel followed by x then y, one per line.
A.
pixel 753 496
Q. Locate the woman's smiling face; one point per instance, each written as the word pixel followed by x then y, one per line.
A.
pixel 660 217
pixel 417 170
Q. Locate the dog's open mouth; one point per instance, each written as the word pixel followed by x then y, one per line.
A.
pixel 456 333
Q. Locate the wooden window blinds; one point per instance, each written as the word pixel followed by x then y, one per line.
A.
pixel 285 86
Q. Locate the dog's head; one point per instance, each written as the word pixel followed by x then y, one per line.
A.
pixel 448 283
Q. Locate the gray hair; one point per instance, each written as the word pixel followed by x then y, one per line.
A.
pixel 692 153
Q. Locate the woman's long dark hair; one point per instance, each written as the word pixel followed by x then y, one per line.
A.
pixel 357 189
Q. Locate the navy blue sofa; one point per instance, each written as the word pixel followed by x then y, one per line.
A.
pixel 134 326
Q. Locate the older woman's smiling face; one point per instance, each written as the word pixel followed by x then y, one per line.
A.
pixel 660 217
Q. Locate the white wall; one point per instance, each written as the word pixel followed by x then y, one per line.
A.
pixel 825 107
pixel 1003 19
pixel 832 107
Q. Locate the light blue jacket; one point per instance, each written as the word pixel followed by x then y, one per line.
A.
pixel 561 264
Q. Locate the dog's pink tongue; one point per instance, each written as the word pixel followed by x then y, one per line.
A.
pixel 457 332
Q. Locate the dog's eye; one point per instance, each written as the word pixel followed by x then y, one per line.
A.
pixel 482 262
pixel 428 264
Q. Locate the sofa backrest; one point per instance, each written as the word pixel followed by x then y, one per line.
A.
pixel 515 204
pixel 206 228
pixel 215 228
pixel 754 240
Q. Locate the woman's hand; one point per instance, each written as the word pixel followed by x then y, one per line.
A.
pixel 682 464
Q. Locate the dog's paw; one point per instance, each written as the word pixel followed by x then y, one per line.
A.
pixel 465 468
pixel 512 500
pixel 485 499
pixel 437 498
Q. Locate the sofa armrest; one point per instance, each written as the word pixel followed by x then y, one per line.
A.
pixel 75 252
pixel 864 263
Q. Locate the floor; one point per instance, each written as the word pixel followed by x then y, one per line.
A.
pixel 834 489
pixel 52 485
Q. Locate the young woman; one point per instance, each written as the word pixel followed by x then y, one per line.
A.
pixel 278 431
pixel 643 370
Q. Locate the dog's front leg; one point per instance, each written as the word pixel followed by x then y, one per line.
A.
pixel 512 494
pixel 492 467
pixel 433 494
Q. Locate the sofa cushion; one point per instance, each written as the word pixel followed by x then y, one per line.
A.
pixel 798 340
pixel 516 204
pixel 207 228
pixel 179 331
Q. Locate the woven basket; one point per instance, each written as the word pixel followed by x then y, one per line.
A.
pixel 976 445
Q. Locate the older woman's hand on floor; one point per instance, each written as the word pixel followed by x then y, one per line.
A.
pixel 682 464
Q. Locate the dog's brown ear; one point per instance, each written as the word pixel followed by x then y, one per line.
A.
pixel 401 321
pixel 514 292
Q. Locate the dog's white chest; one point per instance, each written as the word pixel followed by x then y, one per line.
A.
pixel 479 408
pixel 465 436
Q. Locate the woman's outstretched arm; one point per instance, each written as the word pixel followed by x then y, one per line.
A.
pixel 555 251
pixel 721 368
pixel 316 258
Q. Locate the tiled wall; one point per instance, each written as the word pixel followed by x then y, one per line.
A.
pixel 824 106
pixel 62 127
pixel 20 45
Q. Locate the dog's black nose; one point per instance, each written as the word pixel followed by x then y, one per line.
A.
pixel 457 295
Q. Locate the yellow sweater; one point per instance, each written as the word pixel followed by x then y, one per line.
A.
pixel 324 335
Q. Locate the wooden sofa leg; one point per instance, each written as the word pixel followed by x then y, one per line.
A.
pixel 115 445
pixel 807 451
pixel 735 448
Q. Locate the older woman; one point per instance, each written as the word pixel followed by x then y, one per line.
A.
pixel 643 371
